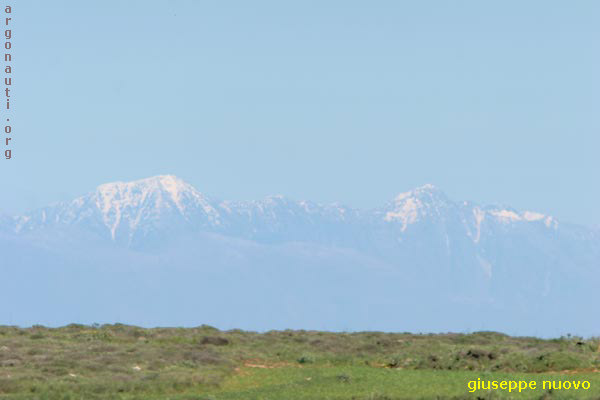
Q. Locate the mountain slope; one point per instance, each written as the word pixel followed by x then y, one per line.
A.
pixel 420 262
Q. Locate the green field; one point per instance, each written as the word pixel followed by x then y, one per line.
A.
pixel 126 362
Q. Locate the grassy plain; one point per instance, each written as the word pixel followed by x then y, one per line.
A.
pixel 126 362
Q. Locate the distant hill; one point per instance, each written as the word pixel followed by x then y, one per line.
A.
pixel 158 252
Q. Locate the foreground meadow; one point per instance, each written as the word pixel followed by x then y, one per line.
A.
pixel 126 362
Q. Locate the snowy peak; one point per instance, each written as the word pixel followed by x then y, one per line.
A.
pixel 125 211
pixel 161 206
pixel 429 203
pixel 508 215
pixel 409 207
pixel 426 196
pixel 427 190
pixel 167 183
pixel 125 206
pixel 163 191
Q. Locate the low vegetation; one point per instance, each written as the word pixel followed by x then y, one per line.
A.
pixel 127 362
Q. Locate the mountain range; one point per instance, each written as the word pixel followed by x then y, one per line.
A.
pixel 159 252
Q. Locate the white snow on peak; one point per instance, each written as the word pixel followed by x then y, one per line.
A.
pixel 131 201
pixel 505 215
pixel 508 216
pixel 407 212
pixel 138 208
pixel 428 201
pixel 135 192
pixel 532 216
pixel 407 207
pixel 425 190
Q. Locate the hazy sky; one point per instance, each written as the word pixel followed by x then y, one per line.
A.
pixel 495 102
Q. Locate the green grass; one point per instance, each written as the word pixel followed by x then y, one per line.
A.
pixel 126 362
pixel 356 382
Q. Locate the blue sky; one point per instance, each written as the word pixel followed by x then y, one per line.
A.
pixel 495 102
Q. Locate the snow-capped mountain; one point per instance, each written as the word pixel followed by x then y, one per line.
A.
pixel 420 262
pixel 132 212
pixel 125 211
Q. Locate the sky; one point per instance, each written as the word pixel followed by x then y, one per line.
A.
pixel 493 102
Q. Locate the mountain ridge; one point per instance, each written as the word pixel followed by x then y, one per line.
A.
pixel 159 252
pixel 122 207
